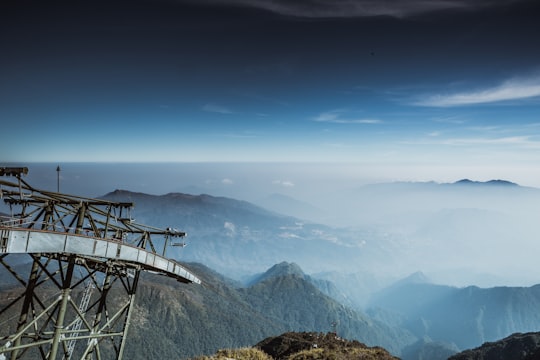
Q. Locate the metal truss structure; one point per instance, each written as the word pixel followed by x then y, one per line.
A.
pixel 74 295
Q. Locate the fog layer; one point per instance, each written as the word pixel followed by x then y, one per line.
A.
pixel 458 233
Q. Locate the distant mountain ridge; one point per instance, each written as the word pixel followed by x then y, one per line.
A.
pixel 238 238
pixel 419 226
pixel 189 200
pixel 287 205
pixel 466 316
pixel 434 184
pixel 497 182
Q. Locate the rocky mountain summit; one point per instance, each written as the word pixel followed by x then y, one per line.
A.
pixel 303 346
pixel 312 345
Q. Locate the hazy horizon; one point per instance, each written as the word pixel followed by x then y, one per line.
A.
pixel 455 235
pixel 240 180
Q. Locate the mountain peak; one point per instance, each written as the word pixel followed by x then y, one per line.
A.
pixel 415 278
pixel 495 182
pixel 282 269
pixel 285 268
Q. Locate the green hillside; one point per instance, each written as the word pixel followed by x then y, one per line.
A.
pixel 174 320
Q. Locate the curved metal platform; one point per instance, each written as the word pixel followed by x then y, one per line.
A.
pixel 24 241
pixel 76 297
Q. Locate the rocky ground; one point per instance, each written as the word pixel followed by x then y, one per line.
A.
pixel 312 345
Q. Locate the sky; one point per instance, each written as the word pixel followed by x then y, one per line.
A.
pixel 247 98
pixel 398 90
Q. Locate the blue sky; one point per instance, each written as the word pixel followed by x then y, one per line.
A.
pixel 409 90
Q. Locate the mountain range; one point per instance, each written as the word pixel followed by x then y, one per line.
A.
pixel 465 317
pixel 467 225
pixel 257 261
pixel 178 321
pixel 399 228
pixel 412 319
pixel 238 238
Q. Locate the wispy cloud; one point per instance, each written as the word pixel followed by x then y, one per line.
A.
pixel 510 90
pixel 284 183
pixel 524 142
pixel 357 8
pixel 336 117
pixel 454 120
pixel 214 108
pixel 511 140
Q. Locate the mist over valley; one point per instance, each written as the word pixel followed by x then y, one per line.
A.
pixel 241 220
pixel 415 267
pixel 461 233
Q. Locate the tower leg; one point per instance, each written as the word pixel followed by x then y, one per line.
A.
pixel 28 297
pixel 127 322
pixel 66 291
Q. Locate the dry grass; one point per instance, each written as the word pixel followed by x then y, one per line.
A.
pixel 341 354
pixel 238 354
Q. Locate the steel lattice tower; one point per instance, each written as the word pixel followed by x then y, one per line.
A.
pixel 75 294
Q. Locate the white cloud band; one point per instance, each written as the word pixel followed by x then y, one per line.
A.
pixel 336 118
pixel 507 91
pixel 214 108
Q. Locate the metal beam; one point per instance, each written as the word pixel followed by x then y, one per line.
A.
pixel 64 301
pixel 52 229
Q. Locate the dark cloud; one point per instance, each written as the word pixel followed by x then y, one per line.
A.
pixel 359 8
